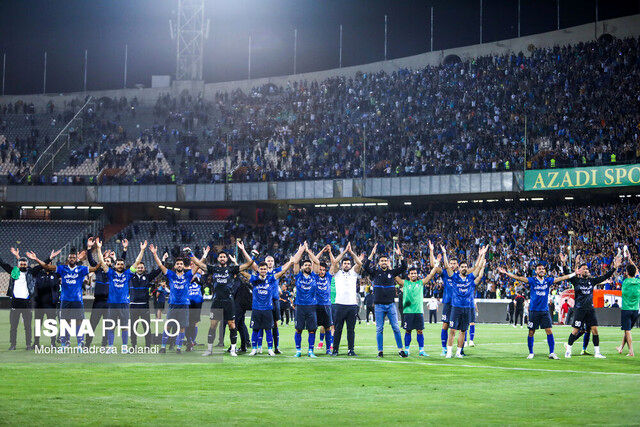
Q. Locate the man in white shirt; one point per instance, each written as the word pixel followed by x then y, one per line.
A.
pixel 432 306
pixel 345 279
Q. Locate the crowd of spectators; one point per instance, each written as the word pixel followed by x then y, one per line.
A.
pixel 580 102
pixel 518 237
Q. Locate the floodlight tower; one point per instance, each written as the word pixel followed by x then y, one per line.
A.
pixel 190 33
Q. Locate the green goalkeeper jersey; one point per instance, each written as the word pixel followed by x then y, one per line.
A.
pixel 412 297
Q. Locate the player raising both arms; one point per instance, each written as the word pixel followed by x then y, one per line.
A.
pixel 629 311
pixel 583 308
pixel 446 294
pixel 463 283
pixel 539 316
pixel 412 302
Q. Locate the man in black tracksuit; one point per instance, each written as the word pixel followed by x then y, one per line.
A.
pixel 46 297
pixel 584 313
pixel 242 298
pixel 140 288
pixel 21 290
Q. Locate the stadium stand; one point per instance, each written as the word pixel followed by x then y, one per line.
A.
pixel 578 100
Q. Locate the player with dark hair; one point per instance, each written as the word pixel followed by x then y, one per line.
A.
pixel 345 272
pixel 179 279
pixel 306 278
pixel 141 287
pixel 463 282
pixel 46 296
pixel 384 292
pixel 323 307
pixel 72 276
pixel 630 304
pixel 539 316
pixel 223 275
pixel 446 295
pixel 412 302
pixel 583 307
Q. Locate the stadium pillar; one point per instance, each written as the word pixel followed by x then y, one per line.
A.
pixel 385 37
pixel 557 14
pixel 431 30
pixel 249 64
pixel 480 21
pixel 295 50
pixel 340 49
pixel 44 77
pixel 595 25
pixel 4 67
pixel 84 86
pixel 518 18
pixel 126 57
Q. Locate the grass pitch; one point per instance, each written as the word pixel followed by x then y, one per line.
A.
pixel 494 384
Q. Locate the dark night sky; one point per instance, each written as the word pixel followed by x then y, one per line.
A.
pixel 66 28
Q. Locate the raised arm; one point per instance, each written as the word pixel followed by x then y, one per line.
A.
pixel 479 260
pixel 159 263
pixel 315 262
pixel 252 264
pixel 616 264
pixel 5 265
pixel 335 262
pixel 143 246
pixel 295 260
pixel 445 261
pixel 513 276
pixel 101 263
pixel 434 270
pixel 480 272
pixel 32 256
pixel 198 263
pixel 357 261
pixel 403 265
pixel 432 258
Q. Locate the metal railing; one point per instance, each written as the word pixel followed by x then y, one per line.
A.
pixel 57 144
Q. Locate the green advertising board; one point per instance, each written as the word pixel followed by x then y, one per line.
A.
pixel 576 178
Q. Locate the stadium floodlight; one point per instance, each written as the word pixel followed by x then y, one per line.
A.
pixel 83 207
pixel 190 34
pixel 26 207
pixel 40 207
pixel 508 200
pixel 407 203
pixel 383 204
pixel 176 209
pixel 55 207
pixel 463 201
pixel 345 205
pixel 68 207
pixel 522 199
pixel 537 199
pixel 568 198
pixel 491 200
pixel 162 207
pixel 97 207
pixel 369 204
pixel 357 204
pixel 332 205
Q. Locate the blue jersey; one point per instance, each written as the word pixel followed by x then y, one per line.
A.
pixel 195 290
pixel 119 286
pixel 323 289
pixel 179 286
pixel 162 295
pixel 539 293
pixel 306 288
pixel 262 292
pixel 446 287
pixel 71 281
pixel 461 288
pixel 275 287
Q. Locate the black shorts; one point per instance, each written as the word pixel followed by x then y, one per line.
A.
pixel 228 310
pixel 413 321
pixel 159 305
pixel 276 310
pixel 261 319
pixel 459 318
pixel 539 320
pixel 334 308
pixel 472 315
pixel 446 312
pixel 628 318
pixel 584 317
pixel 119 312
pixel 179 313
pixel 71 310
pixel 306 318
pixel 195 308
pixel 324 315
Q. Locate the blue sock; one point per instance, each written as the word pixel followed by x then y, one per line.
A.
pixel 552 342
pixel 260 336
pixel 530 344
pixel 420 339
pixel 297 338
pixel 125 337
pixel 379 339
pixel 321 336
pixel 407 339
pixel 585 340
pixel 443 338
pixel 269 333
pixel 165 338
pixel 312 340
pixel 254 339
pixel 79 338
pixel 179 340
pixel 329 337
pixel 472 331
pixel 110 337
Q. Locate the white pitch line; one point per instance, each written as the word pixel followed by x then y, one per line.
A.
pixel 505 368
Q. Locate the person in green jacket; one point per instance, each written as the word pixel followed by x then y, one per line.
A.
pixel 630 303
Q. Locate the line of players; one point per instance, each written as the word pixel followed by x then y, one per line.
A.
pixel 325 296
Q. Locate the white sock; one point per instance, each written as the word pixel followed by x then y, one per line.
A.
pixel 597 349
pixel 210 347
pixel 449 347
pixel 459 351
pixel 233 347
